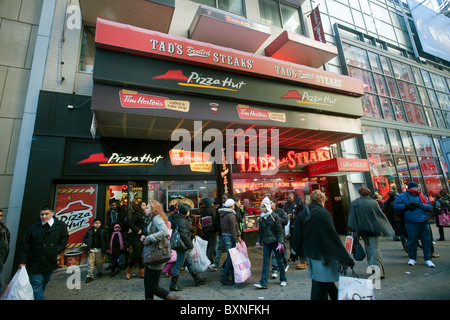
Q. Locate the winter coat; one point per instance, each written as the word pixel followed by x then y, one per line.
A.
pixel 210 211
pixel 229 223
pixel 418 215
pixel 137 223
pixel 270 230
pixel 184 228
pixel 366 218
pixel 5 237
pixel 89 240
pixel 41 247
pixel 156 231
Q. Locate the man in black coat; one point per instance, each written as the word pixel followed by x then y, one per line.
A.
pixel 41 245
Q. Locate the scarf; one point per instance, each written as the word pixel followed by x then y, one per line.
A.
pixel 119 234
pixel 418 193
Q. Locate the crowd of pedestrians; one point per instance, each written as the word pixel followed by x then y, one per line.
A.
pixel 303 231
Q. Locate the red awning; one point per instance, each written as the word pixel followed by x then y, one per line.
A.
pixel 337 167
pixel 295 48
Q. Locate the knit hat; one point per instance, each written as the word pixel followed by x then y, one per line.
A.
pixel 208 201
pixel 229 203
pixel 267 203
pixel 412 184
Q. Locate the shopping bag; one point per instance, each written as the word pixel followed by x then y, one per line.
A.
pixel 354 288
pixel 241 262
pixel 349 244
pixel 444 219
pixel 19 287
pixel 200 261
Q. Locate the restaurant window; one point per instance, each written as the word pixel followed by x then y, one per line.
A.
pixel 375 140
pixel 383 174
pixel 233 6
pixel 432 175
pixel 280 15
pixel 191 192
pixel 87 50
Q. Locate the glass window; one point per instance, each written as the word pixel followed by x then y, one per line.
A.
pixel 402 71
pixel 403 172
pixel 381 84
pixel 439 82
pixel 414 169
pixel 375 62
pixel 424 144
pixel 398 109
pixel 426 78
pixel 444 100
pixel 396 141
pixel 408 91
pixel 446 115
pixel 424 96
pixel 433 99
pixel 87 50
pixel 386 66
pixel 375 140
pixel 414 114
pixel 233 6
pixel 386 107
pixel 371 106
pixel 430 117
pixel 383 173
pixel 417 75
pixel 291 19
pixel 393 91
pixel 365 76
pixel 270 11
pixel 432 174
pixel 439 119
pixel 407 142
pixel 355 56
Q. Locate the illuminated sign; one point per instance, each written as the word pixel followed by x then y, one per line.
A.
pixel 291 160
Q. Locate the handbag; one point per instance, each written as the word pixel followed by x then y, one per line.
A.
pixel 176 243
pixel 156 253
pixel 358 251
pixel 444 219
pixel 354 288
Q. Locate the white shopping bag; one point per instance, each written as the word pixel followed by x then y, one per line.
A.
pixel 198 254
pixel 19 287
pixel 241 262
pixel 354 288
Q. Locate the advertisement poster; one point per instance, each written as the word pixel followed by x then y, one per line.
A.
pixel 75 206
pixel 189 197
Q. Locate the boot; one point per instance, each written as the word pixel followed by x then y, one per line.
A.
pixel 173 284
pixel 198 281
pixel 128 275
pixel 141 273
pixel 113 271
pixel 172 296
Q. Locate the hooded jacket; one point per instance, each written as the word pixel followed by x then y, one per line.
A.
pixel 185 229
pixel 229 223
pixel 417 215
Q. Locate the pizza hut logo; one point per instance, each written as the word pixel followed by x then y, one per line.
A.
pixel 76 216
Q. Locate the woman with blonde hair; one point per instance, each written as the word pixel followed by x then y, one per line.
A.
pixel 316 239
pixel 157 229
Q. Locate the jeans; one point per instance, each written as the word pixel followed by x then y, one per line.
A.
pixel 228 242
pixel 183 259
pixel 415 232
pixel 39 281
pixel 374 257
pixel 220 248
pixel 268 248
pixel 274 261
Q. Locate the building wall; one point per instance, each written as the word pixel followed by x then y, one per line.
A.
pixel 19 20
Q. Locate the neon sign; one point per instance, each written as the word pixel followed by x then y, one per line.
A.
pixel 268 162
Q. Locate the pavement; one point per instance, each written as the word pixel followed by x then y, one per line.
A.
pixel 402 282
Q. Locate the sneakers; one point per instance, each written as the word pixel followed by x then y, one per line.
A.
pixel 213 267
pixel 430 264
pixel 411 262
pixel 283 283
pixel 274 274
pixel 259 286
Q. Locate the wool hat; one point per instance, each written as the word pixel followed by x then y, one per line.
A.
pixel 208 201
pixel 412 184
pixel 229 203
pixel 267 203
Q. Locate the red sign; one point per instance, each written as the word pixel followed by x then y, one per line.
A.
pixel 75 206
pixel 133 99
pixel 338 165
pixel 316 22
pixel 113 35
pixel 180 157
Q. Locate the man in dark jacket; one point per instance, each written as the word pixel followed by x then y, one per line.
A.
pixel 4 245
pixel 41 245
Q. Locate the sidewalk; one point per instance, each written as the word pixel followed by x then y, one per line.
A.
pixel 402 282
